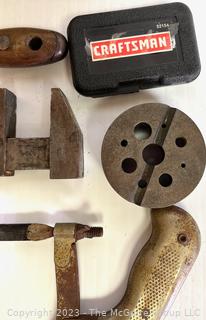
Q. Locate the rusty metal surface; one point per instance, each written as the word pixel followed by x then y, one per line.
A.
pixel 28 47
pixel 157 274
pixel 27 154
pixel 37 232
pixel 14 232
pixel 161 267
pixel 7 123
pixel 65 257
pixel 62 152
pixel 83 231
pixel 25 232
pixel 153 155
pixel 66 140
pixel 67 278
pixel 66 263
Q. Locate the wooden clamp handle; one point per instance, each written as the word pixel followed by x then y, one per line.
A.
pixel 27 47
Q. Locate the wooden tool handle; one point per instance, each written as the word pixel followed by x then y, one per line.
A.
pixel 27 47
pixel 161 267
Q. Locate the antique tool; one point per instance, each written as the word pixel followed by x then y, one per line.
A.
pixel 153 155
pixel 62 152
pixel 162 266
pixel 65 254
pixel 130 50
pixel 157 274
pixel 28 47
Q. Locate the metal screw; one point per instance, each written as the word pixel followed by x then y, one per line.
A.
pixel 83 231
pixel 94 232
pixel 183 239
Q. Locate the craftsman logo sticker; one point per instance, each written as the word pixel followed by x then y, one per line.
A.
pixel 131 46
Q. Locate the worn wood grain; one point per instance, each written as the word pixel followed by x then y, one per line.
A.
pixel 27 47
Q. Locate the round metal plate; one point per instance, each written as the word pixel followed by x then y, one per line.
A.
pixel 153 155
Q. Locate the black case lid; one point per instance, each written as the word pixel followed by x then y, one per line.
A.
pixel 101 49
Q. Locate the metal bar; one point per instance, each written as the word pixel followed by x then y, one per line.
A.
pixel 25 232
pixel 67 277
pixel 22 154
pixel 65 256
pixel 7 124
pixel 66 140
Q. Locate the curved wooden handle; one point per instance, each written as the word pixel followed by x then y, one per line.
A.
pixel 162 265
pixel 27 47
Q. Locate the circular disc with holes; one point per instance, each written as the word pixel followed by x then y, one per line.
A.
pixel 153 155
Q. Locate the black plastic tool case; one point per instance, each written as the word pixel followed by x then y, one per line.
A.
pixel 129 50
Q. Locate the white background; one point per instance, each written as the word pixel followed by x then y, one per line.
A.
pixel 27 277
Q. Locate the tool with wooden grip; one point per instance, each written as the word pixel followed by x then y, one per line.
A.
pixel 157 275
pixel 28 47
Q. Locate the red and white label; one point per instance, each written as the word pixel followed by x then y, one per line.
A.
pixel 131 46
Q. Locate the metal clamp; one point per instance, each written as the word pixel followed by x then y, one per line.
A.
pixel 62 152
pixel 65 254
pixel 157 274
